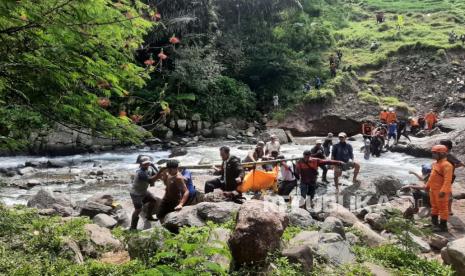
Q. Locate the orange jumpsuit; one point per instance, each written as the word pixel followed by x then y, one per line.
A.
pixel 383 116
pixel 391 117
pixel 431 119
pixel 440 180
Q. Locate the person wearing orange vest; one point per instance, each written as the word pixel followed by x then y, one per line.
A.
pixel 431 119
pixel 391 116
pixel 439 187
pixel 383 115
pixel 414 125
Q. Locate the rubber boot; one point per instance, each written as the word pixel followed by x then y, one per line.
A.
pixel 443 226
pixel 134 221
pixel 434 220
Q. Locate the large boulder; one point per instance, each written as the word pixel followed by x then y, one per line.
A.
pixel 187 216
pixel 333 225
pixel 177 152
pixel 368 236
pixel 376 221
pixel 419 243
pixel 102 237
pixel 217 212
pixel 104 220
pixel 258 231
pixel 456 255
pixel 300 255
pixel 146 243
pixel 182 125
pixel 219 132
pixel 437 241
pixel 91 209
pixel 330 247
pixel 300 217
pixel 340 212
pixel 102 198
pixel 45 199
pixel 387 185
pixel 70 250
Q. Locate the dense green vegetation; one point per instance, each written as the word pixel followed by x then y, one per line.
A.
pixel 63 61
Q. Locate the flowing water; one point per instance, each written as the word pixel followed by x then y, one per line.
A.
pixel 79 181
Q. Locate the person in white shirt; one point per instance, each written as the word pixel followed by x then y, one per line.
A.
pixel 272 145
pixel 287 180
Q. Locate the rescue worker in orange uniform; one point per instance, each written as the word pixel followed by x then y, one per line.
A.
pixel 431 119
pixel 439 187
pixel 383 115
pixel 391 116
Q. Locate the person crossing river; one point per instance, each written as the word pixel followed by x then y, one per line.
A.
pixel 344 152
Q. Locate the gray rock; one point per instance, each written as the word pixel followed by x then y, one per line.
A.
pixel 418 242
pixel 338 211
pixel 230 137
pixel 102 236
pixel 45 199
pixel 63 211
pixel 91 209
pixel 437 241
pixel 328 246
pixel 219 132
pixel 258 231
pixel 196 117
pixel 376 221
pixel 187 216
pixel 206 132
pixel 26 170
pixel 58 163
pixel 220 212
pixel 300 217
pixel 368 236
pixel 206 125
pixel 177 152
pixel 169 135
pixel 352 238
pixel 445 256
pixel 35 164
pixel 456 255
pixel 205 161
pixel 333 225
pixel 301 255
pixel 182 125
pixel 145 244
pixel 280 133
pixel 122 218
pixel 153 141
pixel 104 220
pixel 387 185
pixel 47 212
pixel 70 250
pixel 102 198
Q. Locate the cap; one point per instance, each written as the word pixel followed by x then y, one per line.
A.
pixel 426 169
pixel 319 141
pixel 307 152
pixel 342 134
pixel 391 109
pixel 330 134
pixel 145 160
pixel 273 136
pixel 439 149
pixel 260 144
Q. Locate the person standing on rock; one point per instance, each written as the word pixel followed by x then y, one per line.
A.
pixel 287 179
pixel 344 152
pixel 231 175
pixel 307 172
pixel 455 162
pixel 431 119
pixel 177 194
pixel 392 133
pixel 327 144
pixel 145 176
pixel 439 187
pixel 319 152
pixel 272 145
pixel 383 116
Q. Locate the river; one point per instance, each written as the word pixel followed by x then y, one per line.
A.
pixel 80 182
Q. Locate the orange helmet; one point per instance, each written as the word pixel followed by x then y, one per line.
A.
pixel 439 149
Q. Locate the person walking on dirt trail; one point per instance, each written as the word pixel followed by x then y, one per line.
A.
pixel 439 187
pixel 344 152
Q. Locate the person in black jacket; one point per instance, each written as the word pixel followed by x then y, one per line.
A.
pixel 231 175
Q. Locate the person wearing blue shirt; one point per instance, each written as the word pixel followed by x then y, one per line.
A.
pixel 190 184
pixel 344 152
pixel 392 133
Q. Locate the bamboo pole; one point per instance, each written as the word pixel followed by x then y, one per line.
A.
pixel 245 165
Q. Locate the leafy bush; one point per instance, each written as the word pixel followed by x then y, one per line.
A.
pixel 368 97
pixel 319 96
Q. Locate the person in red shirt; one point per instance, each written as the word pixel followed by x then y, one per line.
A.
pixel 307 172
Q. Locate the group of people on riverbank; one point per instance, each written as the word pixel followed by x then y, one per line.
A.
pixel 181 192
